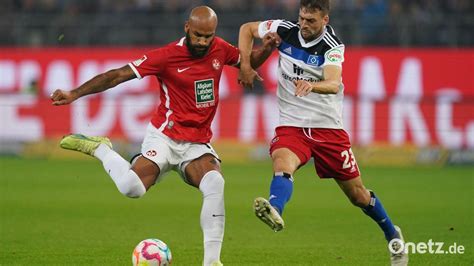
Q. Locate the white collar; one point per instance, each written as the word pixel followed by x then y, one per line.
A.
pixel 181 42
pixel 313 42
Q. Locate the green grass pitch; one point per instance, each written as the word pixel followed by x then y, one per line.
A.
pixel 60 212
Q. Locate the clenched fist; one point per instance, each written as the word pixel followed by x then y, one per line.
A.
pixel 61 97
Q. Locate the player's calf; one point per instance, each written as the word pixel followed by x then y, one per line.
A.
pixel 212 215
pixel 376 211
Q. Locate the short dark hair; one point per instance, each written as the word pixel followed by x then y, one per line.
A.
pixel 312 5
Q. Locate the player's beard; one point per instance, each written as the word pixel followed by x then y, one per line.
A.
pixel 192 48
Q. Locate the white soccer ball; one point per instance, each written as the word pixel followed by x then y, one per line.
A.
pixel 151 252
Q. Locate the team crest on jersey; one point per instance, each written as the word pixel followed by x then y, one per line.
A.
pixel 151 153
pixel 139 61
pixel 315 60
pixel 204 90
pixel 216 64
pixel 275 139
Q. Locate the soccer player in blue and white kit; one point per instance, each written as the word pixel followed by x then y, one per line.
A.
pixel 310 93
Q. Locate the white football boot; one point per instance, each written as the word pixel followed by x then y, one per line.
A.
pixel 268 214
pixel 398 257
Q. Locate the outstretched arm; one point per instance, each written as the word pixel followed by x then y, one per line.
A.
pixel 97 84
pixel 250 60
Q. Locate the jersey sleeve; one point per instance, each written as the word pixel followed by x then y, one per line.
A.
pixel 334 56
pixel 282 27
pixel 151 63
pixel 268 26
pixel 232 54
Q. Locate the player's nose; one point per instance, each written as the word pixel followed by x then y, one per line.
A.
pixel 202 43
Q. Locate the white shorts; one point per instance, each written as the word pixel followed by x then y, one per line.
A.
pixel 171 154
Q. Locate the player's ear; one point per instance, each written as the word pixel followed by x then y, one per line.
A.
pixel 186 26
pixel 326 19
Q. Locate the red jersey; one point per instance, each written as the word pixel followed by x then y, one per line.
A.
pixel 189 91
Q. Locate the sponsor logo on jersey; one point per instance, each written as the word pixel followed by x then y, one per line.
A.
pixel 335 55
pixel 183 69
pixel 204 92
pixel 287 50
pixel 297 70
pixel 139 61
pixel 216 64
pixel 291 78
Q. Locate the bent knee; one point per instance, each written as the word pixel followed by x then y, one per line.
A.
pixel 360 197
pixel 132 193
pixel 285 160
pixel 131 186
pixel 212 183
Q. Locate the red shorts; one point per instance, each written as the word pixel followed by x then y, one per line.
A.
pixel 330 148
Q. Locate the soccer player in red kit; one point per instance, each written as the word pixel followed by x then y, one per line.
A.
pixel 179 133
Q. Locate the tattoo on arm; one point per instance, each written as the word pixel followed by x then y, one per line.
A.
pixel 105 81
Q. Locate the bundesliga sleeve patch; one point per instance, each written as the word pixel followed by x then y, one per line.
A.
pixel 139 61
pixel 268 24
pixel 335 55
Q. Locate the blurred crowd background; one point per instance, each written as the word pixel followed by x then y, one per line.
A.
pixel 402 23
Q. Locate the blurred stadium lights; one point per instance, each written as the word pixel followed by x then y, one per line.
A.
pixel 404 23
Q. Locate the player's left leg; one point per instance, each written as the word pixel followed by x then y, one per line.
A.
pixel 372 206
pixel 205 174
pixel 334 159
pixel 126 180
pixel 369 203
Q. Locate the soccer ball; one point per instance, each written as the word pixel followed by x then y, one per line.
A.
pixel 151 252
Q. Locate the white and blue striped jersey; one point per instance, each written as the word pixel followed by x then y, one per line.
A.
pixel 305 60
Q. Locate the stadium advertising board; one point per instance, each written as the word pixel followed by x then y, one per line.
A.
pixel 398 96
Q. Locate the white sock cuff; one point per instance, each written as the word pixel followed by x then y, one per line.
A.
pixel 212 182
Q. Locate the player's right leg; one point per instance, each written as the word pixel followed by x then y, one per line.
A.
pixel 128 181
pixel 285 163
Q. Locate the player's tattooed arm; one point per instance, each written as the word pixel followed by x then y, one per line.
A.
pixel 97 84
